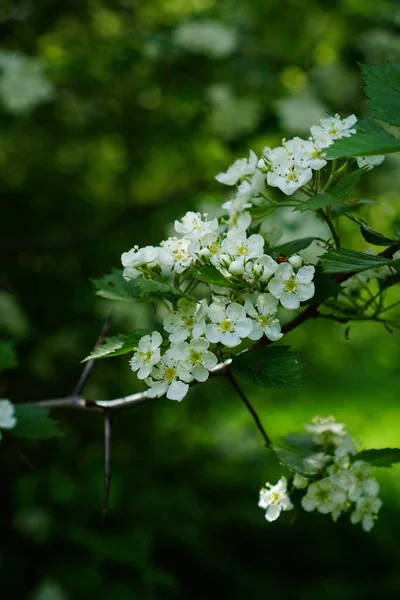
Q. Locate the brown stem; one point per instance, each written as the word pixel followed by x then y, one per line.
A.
pixel 229 375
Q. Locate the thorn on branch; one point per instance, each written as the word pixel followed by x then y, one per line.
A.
pixel 90 364
pixel 107 461
pixel 347 333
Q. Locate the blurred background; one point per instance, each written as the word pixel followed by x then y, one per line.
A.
pixel 114 120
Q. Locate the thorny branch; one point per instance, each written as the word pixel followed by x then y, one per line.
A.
pixel 132 400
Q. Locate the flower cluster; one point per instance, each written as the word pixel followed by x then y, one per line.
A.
pixel 7 415
pixel 341 485
pixel 244 307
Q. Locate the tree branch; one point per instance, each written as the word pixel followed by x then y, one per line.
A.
pixel 229 375
pixel 126 402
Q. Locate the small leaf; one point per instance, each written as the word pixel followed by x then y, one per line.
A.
pixel 117 345
pixel 382 86
pixel 325 287
pixel 303 464
pixel 269 367
pixel 150 290
pixel 380 457
pixel 115 287
pixel 342 189
pixel 34 422
pixel 261 211
pixel 363 144
pixel 300 441
pixel 291 248
pixel 8 358
pixel 351 206
pixel 371 236
pixel 348 261
pixel 211 275
pixel 317 202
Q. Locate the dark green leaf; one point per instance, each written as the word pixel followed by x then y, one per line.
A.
pixel 269 367
pixel 367 125
pixel 351 206
pixel 115 287
pixel 382 86
pixel 210 274
pixel 117 345
pixel 259 212
pixel 291 248
pixel 363 144
pixel 8 358
pixel 300 441
pixel 305 465
pixel 343 188
pixel 325 287
pixel 150 290
pixel 317 202
pixel 348 261
pixel 34 422
pixel 380 457
pixel 390 281
pixel 371 236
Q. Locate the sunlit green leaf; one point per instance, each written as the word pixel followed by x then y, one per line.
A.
pixel 117 345
pixel 382 86
pixel 363 144
pixel 348 261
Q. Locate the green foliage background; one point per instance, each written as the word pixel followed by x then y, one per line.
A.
pixel 131 138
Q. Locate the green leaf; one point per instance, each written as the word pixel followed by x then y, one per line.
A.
pixel 117 345
pixel 342 188
pixel 382 86
pixel 390 281
pixel 363 144
pixel 269 367
pixel 209 274
pixel 34 422
pixel 115 287
pixel 304 464
pixel 348 261
pixel 300 441
pixel 261 211
pixel 291 248
pixel 8 357
pixel 325 287
pixel 371 236
pixel 380 457
pixel 351 206
pixel 317 202
pixel 150 290
pixel 367 125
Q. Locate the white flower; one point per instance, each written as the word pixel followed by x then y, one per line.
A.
pixel 194 228
pixel 197 356
pixel 365 483
pixel 170 376
pixel 322 425
pixel 324 496
pixel 263 318
pixel 261 269
pixel 369 162
pixel 275 499
pixel 174 254
pixel 238 170
pixel 331 129
pixel 296 261
pixel 188 320
pixel 238 245
pixel 305 152
pixel 291 288
pixel 139 257
pixel 366 511
pixel 229 324
pixel 7 415
pixel 147 354
pixel 288 174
